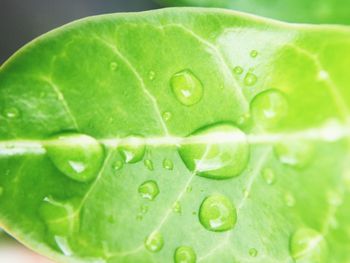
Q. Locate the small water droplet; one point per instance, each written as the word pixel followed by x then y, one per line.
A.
pixel 167 115
pixel 297 154
pixel 250 79
pixel 238 70
pixel 114 66
pixel 168 164
pixel 144 209
pixel 186 87
pixel 177 207
pixel 308 245
pixel 189 189
pixel 149 164
pixel 220 159
pixel 217 213
pixel 154 242
pixel 151 75
pixel 133 150
pixel 243 120
pixel 268 175
pixel 268 108
pixel 289 199
pixel 254 53
pixel 118 165
pixel 11 113
pixel 185 254
pixel 149 190
pixel 78 156
pixel 253 252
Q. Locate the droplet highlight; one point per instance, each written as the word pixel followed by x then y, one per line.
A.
pixel 149 190
pixel 78 156
pixel 185 254
pixel 219 151
pixel 11 113
pixel 133 149
pixel 217 213
pixel 186 87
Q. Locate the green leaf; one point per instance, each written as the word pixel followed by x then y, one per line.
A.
pixel 310 11
pixel 178 134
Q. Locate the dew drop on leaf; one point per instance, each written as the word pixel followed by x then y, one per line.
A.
pixel 254 53
pixel 184 254
pixel 78 156
pixel 238 70
pixel 294 153
pixel 268 175
pixel 219 151
pixel 167 115
pixel 253 252
pixel 149 190
pixel 186 87
pixel 149 164
pixel 118 165
pixel 217 213
pixel 268 108
pixel 133 149
pixel 113 66
pixel 308 245
pixel 168 164
pixel 11 113
pixel 151 75
pixel 250 79
pixel 154 242
pixel 177 207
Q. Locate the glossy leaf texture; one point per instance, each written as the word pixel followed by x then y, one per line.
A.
pixel 301 11
pixel 178 135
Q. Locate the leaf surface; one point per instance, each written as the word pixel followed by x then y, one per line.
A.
pixel 200 134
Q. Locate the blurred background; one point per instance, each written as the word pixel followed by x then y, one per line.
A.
pixel 23 20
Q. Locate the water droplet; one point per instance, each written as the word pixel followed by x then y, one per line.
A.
pixel 268 108
pixel 177 207
pixel 219 151
pixel 133 150
pixel 308 245
pixel 217 213
pixel 78 156
pixel 149 190
pixel 139 217
pixel 144 209
pixel 167 115
pixel 184 254
pixel 294 153
pixel 186 87
pixel 168 164
pixel 238 70
pixel 149 164
pixel 11 113
pixel 114 66
pixel 154 242
pixel 118 165
pixel 268 175
pixel 289 199
pixel 189 189
pixel 254 53
pixel 151 75
pixel 61 219
pixel 243 120
pixel 250 79
pixel 253 252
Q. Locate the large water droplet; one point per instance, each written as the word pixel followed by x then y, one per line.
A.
pixel 78 156
pixel 184 254
pixel 219 151
pixel 308 245
pixel 186 87
pixel 149 190
pixel 168 164
pixel 154 242
pixel 217 213
pixel 61 219
pixel 269 108
pixel 250 79
pixel 294 153
pixel 133 149
pixel 11 113
pixel 268 175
